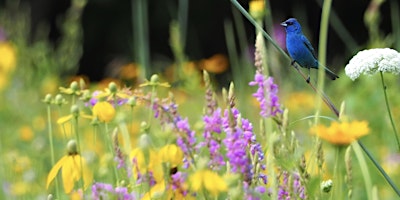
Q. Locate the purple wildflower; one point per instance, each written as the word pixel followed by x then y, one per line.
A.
pixel 266 95
pixel 103 190
pixel 213 123
pixel 298 189
pixel 94 99
pixel 253 193
pixel 119 155
pixel 283 190
pixel 187 140
pixel 167 112
pixel 236 146
pixel 178 181
pixel 240 138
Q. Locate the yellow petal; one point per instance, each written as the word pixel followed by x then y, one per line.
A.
pixel 68 174
pixel 172 154
pixel 196 181
pixel 104 111
pixel 87 174
pixel 54 171
pixel 214 183
pixel 155 192
pixel 8 57
pixel 64 119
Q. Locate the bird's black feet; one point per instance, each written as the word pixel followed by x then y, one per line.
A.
pixel 292 63
pixel 308 79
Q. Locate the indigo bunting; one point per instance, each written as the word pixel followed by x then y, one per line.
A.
pixel 300 49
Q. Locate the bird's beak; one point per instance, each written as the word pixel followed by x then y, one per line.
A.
pixel 283 24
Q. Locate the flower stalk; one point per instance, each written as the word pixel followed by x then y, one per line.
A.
pixel 389 112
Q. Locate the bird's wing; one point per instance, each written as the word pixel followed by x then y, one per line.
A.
pixel 308 45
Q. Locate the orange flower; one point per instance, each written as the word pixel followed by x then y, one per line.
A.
pixel 341 133
pixel 217 64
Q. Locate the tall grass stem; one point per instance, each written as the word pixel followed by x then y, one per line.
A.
pixel 389 112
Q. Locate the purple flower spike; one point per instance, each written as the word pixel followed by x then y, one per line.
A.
pixel 266 95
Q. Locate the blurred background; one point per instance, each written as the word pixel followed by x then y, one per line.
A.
pixel 109 30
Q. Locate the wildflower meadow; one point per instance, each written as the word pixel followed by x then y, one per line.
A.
pixel 267 132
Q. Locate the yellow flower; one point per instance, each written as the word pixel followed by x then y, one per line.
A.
pixel 161 191
pixel 172 154
pixel 73 166
pixel 104 111
pixel 20 188
pixel 341 133
pixel 208 180
pixel 257 8
pixel 74 113
pixel 156 192
pixel 7 58
pixel 147 161
pixel 299 101
pixel 26 133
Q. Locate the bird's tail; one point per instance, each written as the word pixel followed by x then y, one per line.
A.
pixel 330 74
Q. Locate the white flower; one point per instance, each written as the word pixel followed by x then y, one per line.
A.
pixel 373 60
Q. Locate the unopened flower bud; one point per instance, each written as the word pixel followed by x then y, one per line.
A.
pixel 75 110
pixel 113 87
pixel 154 78
pixel 72 148
pixel 59 99
pixel 132 101
pixel 74 86
pixel 47 99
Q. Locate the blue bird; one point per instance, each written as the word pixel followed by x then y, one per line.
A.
pixel 300 49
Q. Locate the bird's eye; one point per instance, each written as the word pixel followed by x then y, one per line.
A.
pixel 289 23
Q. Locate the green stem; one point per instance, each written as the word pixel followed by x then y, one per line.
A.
pixel 389 112
pixel 141 34
pixel 364 169
pixel 381 170
pixel 323 40
pixel 337 175
pixel 79 151
pixel 52 145
pixel 111 149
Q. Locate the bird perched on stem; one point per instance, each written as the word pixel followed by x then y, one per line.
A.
pixel 300 49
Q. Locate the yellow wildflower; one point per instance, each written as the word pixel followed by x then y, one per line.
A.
pixel 20 188
pixel 341 133
pixel 104 111
pixel 172 154
pixel 7 63
pixel 73 166
pixel 257 8
pixel 74 113
pixel 208 180
pixel 26 133
pixel 145 162
pixel 7 58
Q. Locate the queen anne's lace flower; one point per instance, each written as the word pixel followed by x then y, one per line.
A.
pixel 373 60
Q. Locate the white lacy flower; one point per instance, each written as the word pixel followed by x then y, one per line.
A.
pixel 373 60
